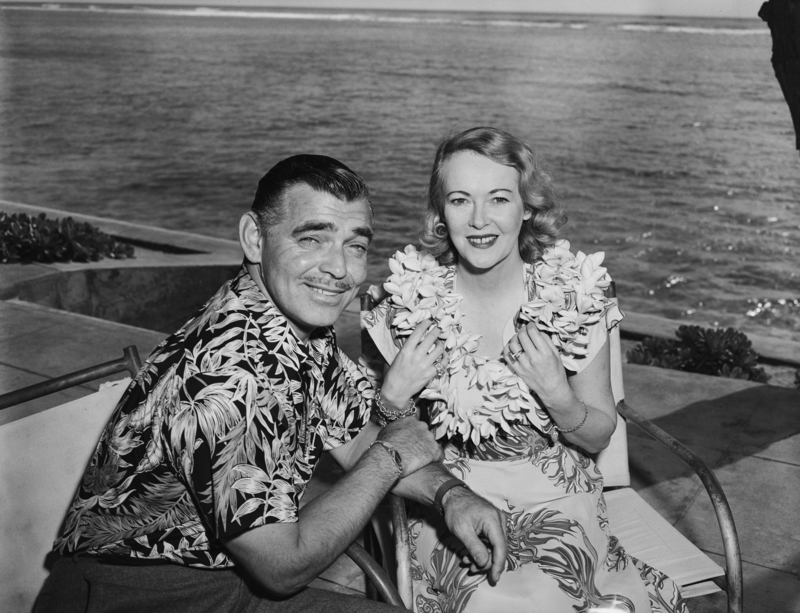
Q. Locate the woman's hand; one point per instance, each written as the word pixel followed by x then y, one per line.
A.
pixel 533 357
pixel 413 367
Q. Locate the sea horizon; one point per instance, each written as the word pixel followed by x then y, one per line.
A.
pixel 667 137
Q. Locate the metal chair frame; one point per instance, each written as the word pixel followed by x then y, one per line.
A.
pixel 131 362
pixel 731 584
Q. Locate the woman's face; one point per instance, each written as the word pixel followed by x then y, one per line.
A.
pixel 483 209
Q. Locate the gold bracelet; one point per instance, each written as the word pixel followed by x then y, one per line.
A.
pixel 583 421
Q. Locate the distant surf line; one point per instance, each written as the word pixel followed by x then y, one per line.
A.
pixel 366 17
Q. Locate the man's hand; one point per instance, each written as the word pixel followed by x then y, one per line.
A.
pixel 414 441
pixel 476 522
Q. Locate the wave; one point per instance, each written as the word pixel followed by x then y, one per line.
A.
pixel 204 11
pixel 367 17
pixel 634 27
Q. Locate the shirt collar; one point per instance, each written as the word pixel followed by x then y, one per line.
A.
pixel 254 300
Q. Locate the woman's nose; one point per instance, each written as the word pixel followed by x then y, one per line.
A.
pixel 478 218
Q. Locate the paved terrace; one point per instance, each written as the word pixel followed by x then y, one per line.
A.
pixel 748 433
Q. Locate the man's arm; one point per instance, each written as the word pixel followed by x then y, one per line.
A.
pixel 285 557
pixel 471 518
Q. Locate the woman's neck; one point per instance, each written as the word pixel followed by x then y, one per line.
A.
pixel 490 299
pixel 505 277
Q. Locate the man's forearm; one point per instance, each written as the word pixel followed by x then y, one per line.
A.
pixel 421 486
pixel 284 558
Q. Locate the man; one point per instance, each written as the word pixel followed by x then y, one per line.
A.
pixel 192 499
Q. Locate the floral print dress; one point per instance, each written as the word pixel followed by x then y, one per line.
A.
pixel 562 556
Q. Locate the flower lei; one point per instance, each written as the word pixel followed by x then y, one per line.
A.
pixel 568 297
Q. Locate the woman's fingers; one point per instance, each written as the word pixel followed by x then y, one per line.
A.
pixel 419 333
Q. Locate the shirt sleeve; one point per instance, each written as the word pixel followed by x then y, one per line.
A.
pixel 237 440
pixel 348 401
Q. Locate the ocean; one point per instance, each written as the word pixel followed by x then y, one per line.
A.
pixel 669 139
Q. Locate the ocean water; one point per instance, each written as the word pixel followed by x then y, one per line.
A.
pixel 669 139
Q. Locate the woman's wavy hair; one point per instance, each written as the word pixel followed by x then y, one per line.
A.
pixel 535 188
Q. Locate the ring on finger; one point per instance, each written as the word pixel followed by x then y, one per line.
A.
pixel 440 368
pixel 514 356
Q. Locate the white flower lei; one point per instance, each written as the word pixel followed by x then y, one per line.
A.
pixel 569 296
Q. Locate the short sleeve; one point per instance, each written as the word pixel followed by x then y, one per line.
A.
pixel 597 335
pixel 241 468
pixel 347 402
pixel 377 325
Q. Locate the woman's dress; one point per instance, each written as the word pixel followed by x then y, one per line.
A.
pixel 562 557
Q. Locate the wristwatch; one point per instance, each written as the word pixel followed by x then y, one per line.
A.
pixel 443 489
pixel 393 453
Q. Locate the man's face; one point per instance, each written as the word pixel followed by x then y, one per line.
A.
pixel 314 261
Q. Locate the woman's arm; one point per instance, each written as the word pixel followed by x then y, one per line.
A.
pixel 582 404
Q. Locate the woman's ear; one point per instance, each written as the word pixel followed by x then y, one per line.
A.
pixel 527 214
pixel 250 238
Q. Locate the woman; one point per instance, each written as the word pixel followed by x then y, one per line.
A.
pixel 523 394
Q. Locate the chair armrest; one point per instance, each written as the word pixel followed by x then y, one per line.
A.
pixel 129 361
pixel 402 549
pixel 375 573
pixel 730 541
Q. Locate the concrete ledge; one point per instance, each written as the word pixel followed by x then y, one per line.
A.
pixel 171 275
pixel 636 326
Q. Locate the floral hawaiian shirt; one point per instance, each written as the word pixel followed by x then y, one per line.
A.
pixel 219 433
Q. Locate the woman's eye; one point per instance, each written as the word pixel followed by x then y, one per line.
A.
pixel 500 199
pixel 457 201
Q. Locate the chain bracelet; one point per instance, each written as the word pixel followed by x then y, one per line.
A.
pixel 583 421
pixel 386 415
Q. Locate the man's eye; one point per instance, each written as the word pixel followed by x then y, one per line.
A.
pixel 361 250
pixel 308 241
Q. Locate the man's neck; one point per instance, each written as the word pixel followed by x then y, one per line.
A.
pixel 254 270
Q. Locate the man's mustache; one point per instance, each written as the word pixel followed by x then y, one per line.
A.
pixel 343 286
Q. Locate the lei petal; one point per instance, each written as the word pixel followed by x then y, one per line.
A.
pixel 568 297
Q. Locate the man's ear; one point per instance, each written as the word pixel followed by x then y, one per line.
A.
pixel 250 238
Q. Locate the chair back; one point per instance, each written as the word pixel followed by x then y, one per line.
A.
pixel 42 460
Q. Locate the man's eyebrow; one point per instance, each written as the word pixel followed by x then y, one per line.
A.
pixel 364 231
pixel 327 226
pixel 313 226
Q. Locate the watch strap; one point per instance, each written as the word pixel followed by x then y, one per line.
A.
pixel 443 489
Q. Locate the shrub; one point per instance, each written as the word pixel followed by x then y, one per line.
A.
pixel 709 351
pixel 24 238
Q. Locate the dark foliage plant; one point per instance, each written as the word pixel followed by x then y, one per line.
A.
pixel 25 238
pixel 708 351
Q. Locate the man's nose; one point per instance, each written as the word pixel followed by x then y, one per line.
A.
pixel 334 262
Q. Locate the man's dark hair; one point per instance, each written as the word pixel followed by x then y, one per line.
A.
pixel 320 172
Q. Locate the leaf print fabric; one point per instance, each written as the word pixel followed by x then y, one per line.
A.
pixel 562 557
pixel 219 433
